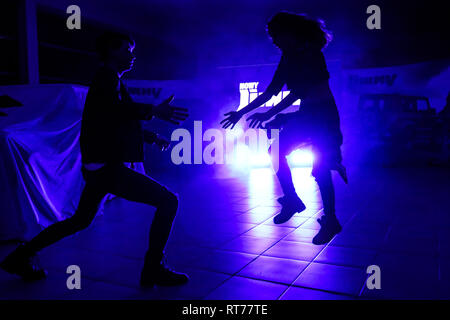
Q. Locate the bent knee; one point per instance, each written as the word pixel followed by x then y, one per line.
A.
pixel 169 201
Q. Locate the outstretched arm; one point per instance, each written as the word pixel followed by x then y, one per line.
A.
pixel 141 111
pixel 164 111
pixel 259 100
pixel 105 94
pixel 233 117
pixel 257 119
pixel 274 88
pixel 283 104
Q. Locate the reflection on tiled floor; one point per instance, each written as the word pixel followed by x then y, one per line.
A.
pixel 225 238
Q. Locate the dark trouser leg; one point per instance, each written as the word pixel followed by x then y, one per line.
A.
pixel 137 187
pixel 284 171
pixel 91 197
pixel 323 162
pixel 329 224
pixel 161 228
pixel 125 183
pixel 326 187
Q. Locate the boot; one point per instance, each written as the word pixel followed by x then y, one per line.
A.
pixel 160 274
pixel 329 228
pixel 291 205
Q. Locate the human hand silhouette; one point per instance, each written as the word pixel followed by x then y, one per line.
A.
pixel 257 119
pixel 231 119
pixel 172 114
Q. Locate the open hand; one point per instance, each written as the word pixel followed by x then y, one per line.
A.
pixel 166 112
pixel 232 118
pixel 257 119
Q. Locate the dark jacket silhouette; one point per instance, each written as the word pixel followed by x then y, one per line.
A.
pixel 110 129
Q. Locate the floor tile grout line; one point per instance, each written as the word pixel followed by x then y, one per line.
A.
pixel 231 276
pixel 262 222
pixel 306 265
pixel 257 256
pixel 267 248
pixel 110 253
pixel 321 290
pixel 274 242
pixel 270 281
pixel 312 260
pixel 296 286
pixel 286 258
pixel 237 236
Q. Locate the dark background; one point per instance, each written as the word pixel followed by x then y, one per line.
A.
pixel 182 39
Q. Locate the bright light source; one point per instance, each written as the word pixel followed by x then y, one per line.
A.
pixel 301 158
pixel 244 158
pixel 241 156
pixel 260 159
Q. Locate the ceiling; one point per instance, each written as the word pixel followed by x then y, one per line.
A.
pixel 414 29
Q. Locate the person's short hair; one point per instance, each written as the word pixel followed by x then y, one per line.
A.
pixel 111 40
pixel 304 28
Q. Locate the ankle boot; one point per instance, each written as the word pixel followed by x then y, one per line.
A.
pixel 159 274
pixel 329 228
pixel 291 205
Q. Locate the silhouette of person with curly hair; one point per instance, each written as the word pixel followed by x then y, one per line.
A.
pixel 303 69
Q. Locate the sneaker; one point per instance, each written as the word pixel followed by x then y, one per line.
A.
pixel 161 275
pixel 290 207
pixel 23 264
pixel 329 228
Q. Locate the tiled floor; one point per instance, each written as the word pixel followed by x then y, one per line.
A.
pixel 224 237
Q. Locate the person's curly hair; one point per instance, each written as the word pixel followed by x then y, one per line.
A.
pixel 304 28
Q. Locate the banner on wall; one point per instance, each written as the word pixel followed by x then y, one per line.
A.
pixel 154 91
pixel 429 79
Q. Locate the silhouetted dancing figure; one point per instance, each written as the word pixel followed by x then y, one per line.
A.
pixel 111 135
pixel 303 69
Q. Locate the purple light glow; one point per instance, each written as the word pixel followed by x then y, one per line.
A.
pixel 301 158
pixel 245 159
